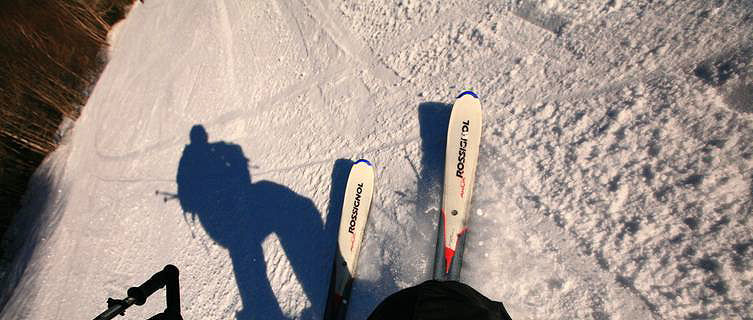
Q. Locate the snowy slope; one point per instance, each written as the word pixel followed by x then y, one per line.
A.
pixel 615 179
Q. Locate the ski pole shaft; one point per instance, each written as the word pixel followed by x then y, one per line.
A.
pixel 115 308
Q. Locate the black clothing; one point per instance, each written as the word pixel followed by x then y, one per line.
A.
pixel 439 300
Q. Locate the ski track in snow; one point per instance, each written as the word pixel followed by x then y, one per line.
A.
pixel 615 179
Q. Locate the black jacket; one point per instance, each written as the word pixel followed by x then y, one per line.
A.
pixel 435 300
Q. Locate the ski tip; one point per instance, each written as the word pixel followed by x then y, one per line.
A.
pixel 364 161
pixel 469 92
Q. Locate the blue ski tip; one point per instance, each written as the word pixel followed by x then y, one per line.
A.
pixel 364 161
pixel 467 92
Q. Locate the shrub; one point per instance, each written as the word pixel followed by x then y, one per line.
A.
pixel 50 55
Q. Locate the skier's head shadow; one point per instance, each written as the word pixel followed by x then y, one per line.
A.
pixel 215 188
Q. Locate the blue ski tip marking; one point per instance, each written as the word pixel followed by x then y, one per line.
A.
pixel 467 92
pixel 364 161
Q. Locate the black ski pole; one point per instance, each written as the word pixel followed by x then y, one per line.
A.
pixel 168 278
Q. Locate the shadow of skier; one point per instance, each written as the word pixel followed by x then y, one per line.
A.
pixel 433 119
pixel 214 184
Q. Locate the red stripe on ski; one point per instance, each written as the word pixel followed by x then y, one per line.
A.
pixel 448 255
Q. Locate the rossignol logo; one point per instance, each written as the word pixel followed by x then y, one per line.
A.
pixel 463 145
pixel 356 204
pixel 461 155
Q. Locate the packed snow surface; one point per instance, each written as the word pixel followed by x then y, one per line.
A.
pixel 615 178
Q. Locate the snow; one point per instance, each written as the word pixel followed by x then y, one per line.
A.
pixel 615 179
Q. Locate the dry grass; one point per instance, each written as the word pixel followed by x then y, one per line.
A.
pixel 50 55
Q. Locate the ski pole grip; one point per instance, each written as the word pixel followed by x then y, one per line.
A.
pixel 157 281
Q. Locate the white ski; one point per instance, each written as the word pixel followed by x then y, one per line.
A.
pixel 463 141
pixel 355 212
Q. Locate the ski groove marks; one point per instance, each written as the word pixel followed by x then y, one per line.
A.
pixel 227 43
pixel 331 73
pixel 349 44
pixel 294 23
pixel 367 151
